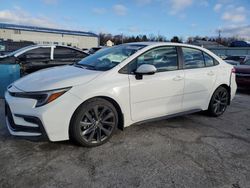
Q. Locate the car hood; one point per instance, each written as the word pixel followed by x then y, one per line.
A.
pixel 242 69
pixel 55 78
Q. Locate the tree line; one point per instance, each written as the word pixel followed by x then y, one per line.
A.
pixel 119 39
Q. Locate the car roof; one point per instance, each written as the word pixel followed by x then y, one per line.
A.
pixel 150 45
pixel 31 47
pixel 165 44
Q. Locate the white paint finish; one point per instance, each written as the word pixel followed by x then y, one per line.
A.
pixel 56 77
pixel 199 83
pixel 55 116
pixel 155 95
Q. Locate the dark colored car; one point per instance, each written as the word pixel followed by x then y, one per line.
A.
pixel 9 46
pixel 94 50
pixel 242 59
pixel 243 75
pixel 232 62
pixel 35 57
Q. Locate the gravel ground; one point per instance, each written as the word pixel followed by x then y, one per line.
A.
pixel 188 151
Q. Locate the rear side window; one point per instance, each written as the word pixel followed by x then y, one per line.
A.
pixel 193 58
pixel 209 61
pixel 63 53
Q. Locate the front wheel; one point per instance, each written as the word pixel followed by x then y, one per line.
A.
pixel 94 122
pixel 219 102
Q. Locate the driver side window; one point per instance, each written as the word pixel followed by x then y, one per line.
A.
pixel 164 59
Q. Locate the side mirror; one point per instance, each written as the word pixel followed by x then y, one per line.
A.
pixel 145 69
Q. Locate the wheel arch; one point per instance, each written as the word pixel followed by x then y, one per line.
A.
pixel 228 88
pixel 113 102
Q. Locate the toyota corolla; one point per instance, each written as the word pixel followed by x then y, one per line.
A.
pixel 117 87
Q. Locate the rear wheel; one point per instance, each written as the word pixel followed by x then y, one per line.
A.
pixel 94 122
pixel 219 101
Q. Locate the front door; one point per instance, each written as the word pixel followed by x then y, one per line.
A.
pixel 159 94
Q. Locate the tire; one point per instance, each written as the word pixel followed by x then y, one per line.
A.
pixel 218 102
pixel 94 122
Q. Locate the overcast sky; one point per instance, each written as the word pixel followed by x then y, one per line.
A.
pixel 131 17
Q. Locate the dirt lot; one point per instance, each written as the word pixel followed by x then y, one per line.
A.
pixel 189 151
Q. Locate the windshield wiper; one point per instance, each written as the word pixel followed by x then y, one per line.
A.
pixel 90 67
pixel 79 66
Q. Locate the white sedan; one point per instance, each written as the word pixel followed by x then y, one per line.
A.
pixel 117 87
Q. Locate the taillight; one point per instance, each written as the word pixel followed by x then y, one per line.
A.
pixel 233 70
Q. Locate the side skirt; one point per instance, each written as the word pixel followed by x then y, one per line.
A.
pixel 168 116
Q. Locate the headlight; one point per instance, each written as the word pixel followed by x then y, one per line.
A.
pixel 43 97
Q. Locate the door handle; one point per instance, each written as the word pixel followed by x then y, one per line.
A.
pixel 177 78
pixel 210 73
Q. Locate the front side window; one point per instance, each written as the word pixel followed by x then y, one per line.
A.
pixel 37 54
pixel 164 59
pixel 193 58
pixel 108 58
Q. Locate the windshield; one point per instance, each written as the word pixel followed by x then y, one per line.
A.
pixel 108 58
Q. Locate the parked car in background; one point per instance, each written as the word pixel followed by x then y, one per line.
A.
pixel 8 46
pixel 94 50
pixel 243 75
pixel 117 87
pixel 241 59
pixel 35 57
pixel 232 62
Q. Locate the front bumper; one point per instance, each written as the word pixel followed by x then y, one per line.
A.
pixel 49 121
pixel 36 131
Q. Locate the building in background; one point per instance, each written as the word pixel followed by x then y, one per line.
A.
pixel 40 35
pixel 109 43
pixel 7 46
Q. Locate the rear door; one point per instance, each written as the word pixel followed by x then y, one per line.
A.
pixel 200 75
pixel 159 94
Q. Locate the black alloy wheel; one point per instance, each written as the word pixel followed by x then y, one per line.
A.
pixel 94 122
pixel 219 102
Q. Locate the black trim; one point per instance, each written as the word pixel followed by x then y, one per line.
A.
pixel 20 128
pixel 168 116
pixel 180 55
